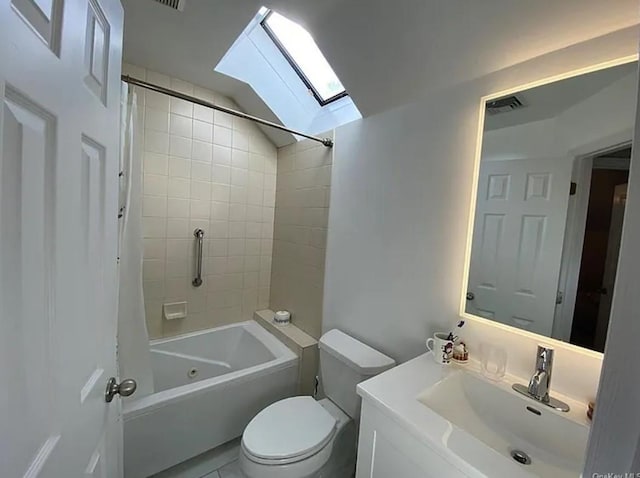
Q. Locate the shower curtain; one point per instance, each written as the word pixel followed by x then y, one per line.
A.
pixel 134 357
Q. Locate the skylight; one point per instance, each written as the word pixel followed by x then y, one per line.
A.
pixel 299 48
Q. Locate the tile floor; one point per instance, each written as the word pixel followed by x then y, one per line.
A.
pixel 221 462
pixel 230 470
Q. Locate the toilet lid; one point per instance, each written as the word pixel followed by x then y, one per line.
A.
pixel 291 428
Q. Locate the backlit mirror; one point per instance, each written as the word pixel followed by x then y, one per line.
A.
pixel 550 202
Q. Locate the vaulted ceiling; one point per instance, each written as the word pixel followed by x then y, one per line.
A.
pixel 385 52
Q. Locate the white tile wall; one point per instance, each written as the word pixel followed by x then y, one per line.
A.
pixel 203 169
pixel 301 215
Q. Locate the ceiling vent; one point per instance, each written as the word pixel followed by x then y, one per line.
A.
pixel 175 4
pixel 504 105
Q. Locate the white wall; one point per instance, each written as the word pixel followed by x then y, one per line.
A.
pixel 608 114
pixel 401 190
pixel 538 139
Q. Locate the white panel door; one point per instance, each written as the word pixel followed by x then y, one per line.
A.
pixel 59 120
pixel 517 241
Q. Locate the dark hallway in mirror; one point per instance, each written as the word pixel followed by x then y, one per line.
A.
pixel 600 250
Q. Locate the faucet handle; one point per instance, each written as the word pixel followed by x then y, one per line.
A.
pixel 544 357
pixel 543 349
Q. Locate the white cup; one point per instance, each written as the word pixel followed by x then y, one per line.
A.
pixel 441 347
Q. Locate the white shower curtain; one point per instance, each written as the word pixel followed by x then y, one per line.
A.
pixel 134 357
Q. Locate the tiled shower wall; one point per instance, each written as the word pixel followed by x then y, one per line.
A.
pixel 203 169
pixel 302 210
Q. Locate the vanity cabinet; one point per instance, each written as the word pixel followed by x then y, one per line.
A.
pixel 386 449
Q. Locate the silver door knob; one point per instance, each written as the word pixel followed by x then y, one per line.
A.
pixel 124 388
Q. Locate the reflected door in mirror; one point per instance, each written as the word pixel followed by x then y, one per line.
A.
pixel 547 219
pixel 517 241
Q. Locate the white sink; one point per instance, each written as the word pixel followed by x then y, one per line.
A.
pixel 506 422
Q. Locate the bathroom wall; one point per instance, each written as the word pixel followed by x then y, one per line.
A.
pixel 300 232
pixel 213 171
pixel 400 196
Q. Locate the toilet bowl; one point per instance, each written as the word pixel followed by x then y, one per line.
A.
pixel 300 437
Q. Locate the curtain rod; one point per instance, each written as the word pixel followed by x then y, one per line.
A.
pixel 328 142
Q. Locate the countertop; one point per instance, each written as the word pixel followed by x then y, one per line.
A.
pixel 395 393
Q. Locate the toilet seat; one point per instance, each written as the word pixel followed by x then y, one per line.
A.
pixel 288 431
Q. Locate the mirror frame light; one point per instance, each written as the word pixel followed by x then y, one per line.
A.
pixel 474 193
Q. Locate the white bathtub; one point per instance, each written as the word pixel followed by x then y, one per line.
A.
pixel 209 385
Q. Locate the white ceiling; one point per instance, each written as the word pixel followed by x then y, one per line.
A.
pixel 548 101
pixel 385 52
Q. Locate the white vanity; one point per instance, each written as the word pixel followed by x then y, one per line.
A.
pixel 425 420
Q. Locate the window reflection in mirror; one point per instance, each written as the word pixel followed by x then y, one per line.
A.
pixel 550 205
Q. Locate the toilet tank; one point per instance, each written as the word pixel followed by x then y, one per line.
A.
pixel 344 363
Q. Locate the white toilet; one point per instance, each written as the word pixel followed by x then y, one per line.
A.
pixel 300 437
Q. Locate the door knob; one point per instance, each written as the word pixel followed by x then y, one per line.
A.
pixel 124 388
pixel 470 296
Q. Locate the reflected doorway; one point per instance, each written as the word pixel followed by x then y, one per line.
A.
pixel 601 247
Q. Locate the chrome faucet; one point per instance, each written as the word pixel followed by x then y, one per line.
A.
pixel 540 383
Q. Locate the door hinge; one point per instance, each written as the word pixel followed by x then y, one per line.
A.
pixel 559 297
pixel 573 188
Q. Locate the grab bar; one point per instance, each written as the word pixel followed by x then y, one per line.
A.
pixel 199 235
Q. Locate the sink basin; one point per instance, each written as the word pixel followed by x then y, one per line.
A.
pixel 541 441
